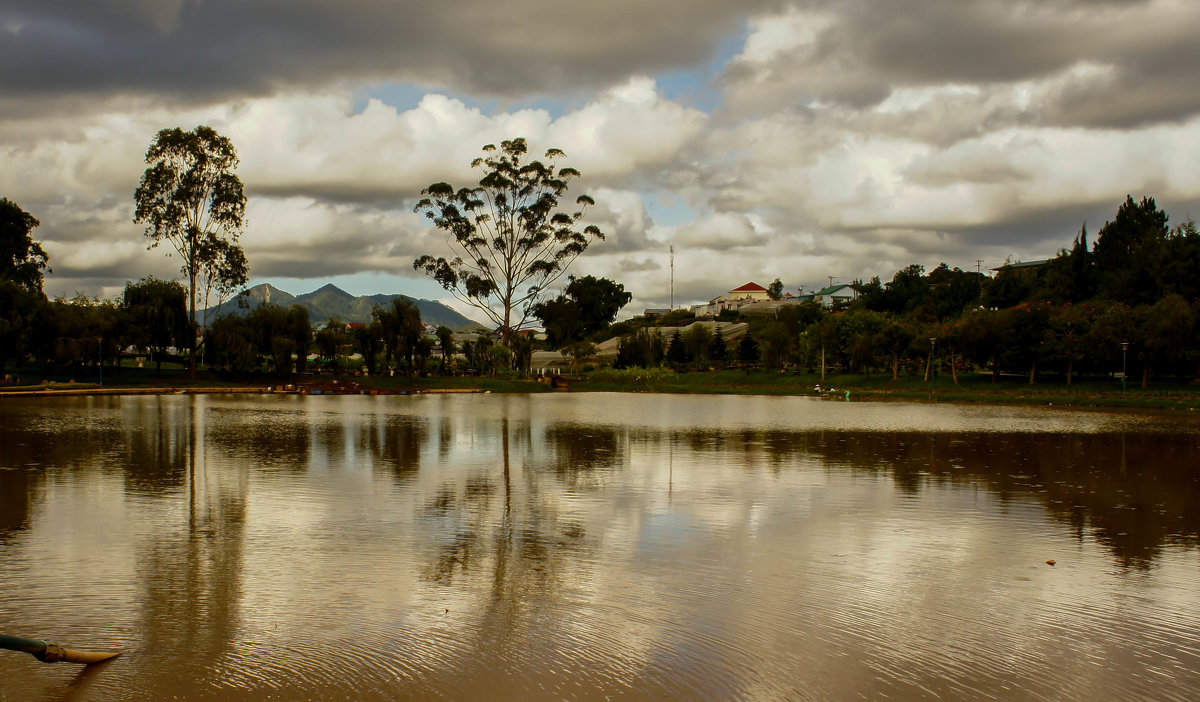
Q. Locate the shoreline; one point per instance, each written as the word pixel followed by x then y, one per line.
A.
pixel 690 384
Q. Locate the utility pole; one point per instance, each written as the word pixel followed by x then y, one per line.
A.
pixel 672 277
pixel 979 266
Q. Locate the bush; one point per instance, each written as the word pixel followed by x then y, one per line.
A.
pixel 634 376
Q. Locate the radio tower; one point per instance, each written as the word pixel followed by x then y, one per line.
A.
pixel 672 277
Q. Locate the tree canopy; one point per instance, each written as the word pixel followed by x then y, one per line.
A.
pixel 508 238
pixel 586 306
pixel 22 260
pixel 191 197
pixel 158 308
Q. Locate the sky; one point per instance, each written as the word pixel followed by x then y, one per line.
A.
pixel 805 141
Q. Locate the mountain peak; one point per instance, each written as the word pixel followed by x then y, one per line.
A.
pixel 330 289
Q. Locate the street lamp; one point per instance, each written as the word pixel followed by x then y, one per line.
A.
pixel 101 352
pixel 932 365
pixel 1124 350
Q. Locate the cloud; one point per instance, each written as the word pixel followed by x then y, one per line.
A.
pixel 843 139
pixel 188 51
pixel 858 53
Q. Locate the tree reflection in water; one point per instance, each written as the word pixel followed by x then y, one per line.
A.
pixel 191 574
pixel 1134 493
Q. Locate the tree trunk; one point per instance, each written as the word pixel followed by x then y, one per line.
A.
pixel 995 370
pixel 895 366
pixel 928 365
pixel 1070 369
pixel 822 363
pixel 953 369
pixel 1033 373
pixel 192 316
pixel 1145 375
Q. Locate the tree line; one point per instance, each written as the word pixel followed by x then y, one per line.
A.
pixel 1129 303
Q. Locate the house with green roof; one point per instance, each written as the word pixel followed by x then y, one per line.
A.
pixel 842 292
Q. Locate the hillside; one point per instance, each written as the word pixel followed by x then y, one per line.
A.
pixel 331 301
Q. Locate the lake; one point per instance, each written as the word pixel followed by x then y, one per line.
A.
pixel 597 546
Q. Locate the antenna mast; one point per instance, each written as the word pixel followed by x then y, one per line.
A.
pixel 672 277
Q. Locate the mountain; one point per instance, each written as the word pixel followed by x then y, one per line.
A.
pixel 331 301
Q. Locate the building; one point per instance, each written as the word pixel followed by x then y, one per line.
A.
pixel 749 291
pixel 842 293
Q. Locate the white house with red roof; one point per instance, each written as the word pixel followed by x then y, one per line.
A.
pixel 738 297
pixel 749 291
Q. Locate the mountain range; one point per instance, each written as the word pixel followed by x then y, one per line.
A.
pixel 331 301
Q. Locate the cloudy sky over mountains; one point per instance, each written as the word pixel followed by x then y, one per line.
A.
pixel 763 139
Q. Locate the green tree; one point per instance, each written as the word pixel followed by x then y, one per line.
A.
pixel 299 330
pixel 158 309
pixel 677 353
pixel 230 344
pixel 775 290
pixel 747 350
pixel 1168 328
pixel 588 305
pixel 696 340
pixel 1126 249
pixel 401 329
pixel 330 339
pixel 367 339
pixel 23 263
pixel 984 334
pixel 1069 324
pixel 778 343
pixel 190 197
pixel 509 239
pixel 445 337
pixel 954 290
pixel 644 348
pixel 718 349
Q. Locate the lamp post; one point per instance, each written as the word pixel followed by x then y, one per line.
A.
pixel 1124 354
pixel 101 352
pixel 932 365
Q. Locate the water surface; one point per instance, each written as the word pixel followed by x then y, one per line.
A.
pixel 597 546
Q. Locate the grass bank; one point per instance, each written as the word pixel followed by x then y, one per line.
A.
pixel 971 388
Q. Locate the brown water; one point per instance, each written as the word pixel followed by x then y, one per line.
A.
pixel 597 547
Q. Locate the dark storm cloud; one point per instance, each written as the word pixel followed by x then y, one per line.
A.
pixel 1119 63
pixel 223 49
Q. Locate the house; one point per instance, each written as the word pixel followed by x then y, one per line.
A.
pixel 655 311
pixel 1024 268
pixel 719 304
pixel 842 293
pixel 749 291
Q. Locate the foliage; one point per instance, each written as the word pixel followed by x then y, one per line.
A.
pixel 22 260
pixel 191 197
pixel 158 309
pixel 400 327
pixel 509 239
pixel 644 348
pixel 445 337
pixel 330 340
pixel 775 289
pixel 677 351
pixel 747 350
pixel 634 376
pixel 587 305
pixel 718 351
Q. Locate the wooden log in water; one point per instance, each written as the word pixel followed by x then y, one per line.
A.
pixel 50 652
